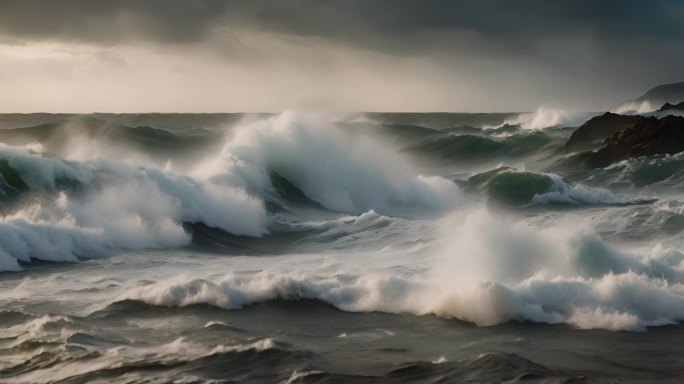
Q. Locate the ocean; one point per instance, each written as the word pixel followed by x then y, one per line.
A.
pixel 306 247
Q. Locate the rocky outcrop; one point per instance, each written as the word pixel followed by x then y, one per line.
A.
pixel 650 136
pixel 597 129
pixel 673 107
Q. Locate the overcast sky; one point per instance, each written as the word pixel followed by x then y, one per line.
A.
pixel 399 55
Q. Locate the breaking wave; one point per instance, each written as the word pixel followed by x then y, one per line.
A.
pixel 339 171
pixel 90 207
pixel 488 270
pixel 509 186
pixel 304 184
pixel 546 118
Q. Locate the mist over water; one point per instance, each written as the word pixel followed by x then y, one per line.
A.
pixel 447 245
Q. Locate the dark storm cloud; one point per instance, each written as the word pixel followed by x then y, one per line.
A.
pixel 384 25
pixel 397 23
pixel 109 20
pixel 477 55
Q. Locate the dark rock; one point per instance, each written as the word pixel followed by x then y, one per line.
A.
pixel 676 107
pixel 650 136
pixel 597 129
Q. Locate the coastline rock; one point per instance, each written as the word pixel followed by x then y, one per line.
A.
pixel 650 136
pixel 676 107
pixel 599 128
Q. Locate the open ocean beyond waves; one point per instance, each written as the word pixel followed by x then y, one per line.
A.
pixel 312 248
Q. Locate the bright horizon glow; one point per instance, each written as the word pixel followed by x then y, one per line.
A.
pixel 222 56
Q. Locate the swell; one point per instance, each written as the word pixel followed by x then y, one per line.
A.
pixel 77 133
pixel 92 208
pixel 484 268
pixel 509 186
pixel 656 302
pixel 469 147
pixel 659 172
pixel 267 173
pixel 301 184
pixel 68 349
pixel 443 120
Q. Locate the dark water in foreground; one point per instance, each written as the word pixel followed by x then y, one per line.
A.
pixel 308 341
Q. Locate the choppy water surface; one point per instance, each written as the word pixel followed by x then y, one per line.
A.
pixel 314 249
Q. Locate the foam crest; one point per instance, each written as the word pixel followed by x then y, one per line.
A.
pixel 562 192
pixel 523 188
pixel 488 270
pixel 340 171
pixel 233 291
pixel 493 270
pixel 544 118
pixel 117 208
pixel 367 217
pixel 39 171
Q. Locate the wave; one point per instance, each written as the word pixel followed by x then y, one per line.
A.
pixel 509 186
pixel 406 133
pixel 341 172
pixel 562 192
pixel 69 349
pixel 470 147
pixel 546 118
pixel 658 170
pixel 79 137
pixel 59 210
pixel 90 209
pixel 489 367
pixel 71 354
pixel 488 270
pixel 496 270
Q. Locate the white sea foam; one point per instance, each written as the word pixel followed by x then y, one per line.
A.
pixel 485 268
pixel 626 301
pixel 39 171
pixel 545 118
pixel 489 270
pixel 137 209
pixel 367 217
pixel 338 170
pixel 125 207
pixel 562 192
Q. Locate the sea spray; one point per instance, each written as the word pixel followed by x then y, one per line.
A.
pixel 337 170
pixel 546 118
pixel 94 208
